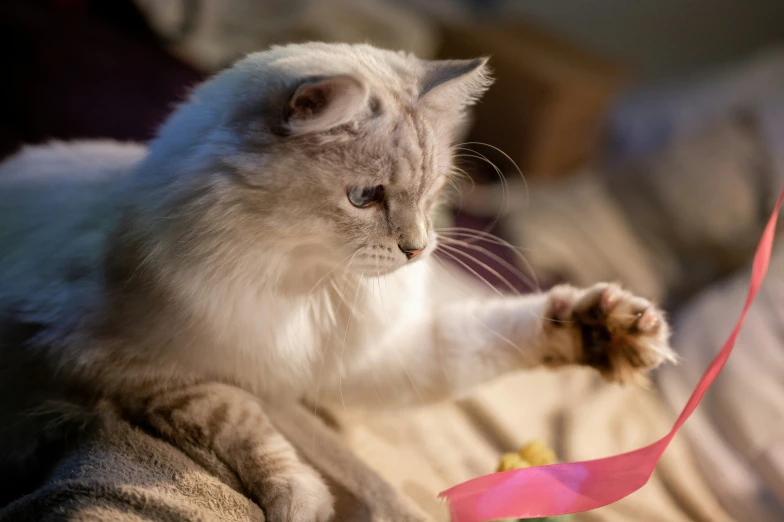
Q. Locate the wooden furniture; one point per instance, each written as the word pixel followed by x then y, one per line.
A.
pixel 550 97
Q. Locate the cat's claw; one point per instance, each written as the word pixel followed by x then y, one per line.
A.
pixel 297 496
pixel 617 333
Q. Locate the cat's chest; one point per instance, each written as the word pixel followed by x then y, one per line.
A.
pixel 279 345
pixel 266 343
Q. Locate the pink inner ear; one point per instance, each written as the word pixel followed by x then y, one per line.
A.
pixel 321 105
pixel 310 100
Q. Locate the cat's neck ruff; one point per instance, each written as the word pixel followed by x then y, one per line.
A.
pixel 343 312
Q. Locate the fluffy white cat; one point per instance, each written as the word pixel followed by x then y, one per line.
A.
pixel 272 244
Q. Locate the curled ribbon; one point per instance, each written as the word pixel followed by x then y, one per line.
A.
pixel 573 487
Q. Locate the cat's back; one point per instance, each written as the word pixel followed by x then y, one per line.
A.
pixel 58 202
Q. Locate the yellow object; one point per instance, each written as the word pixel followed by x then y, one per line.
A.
pixel 537 453
pixel 512 461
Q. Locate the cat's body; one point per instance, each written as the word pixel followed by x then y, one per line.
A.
pixel 272 243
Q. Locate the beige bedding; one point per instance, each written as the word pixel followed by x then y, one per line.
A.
pixel 425 451
pixel 122 474
pixel 738 431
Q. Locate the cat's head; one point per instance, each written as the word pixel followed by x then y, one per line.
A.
pixel 328 153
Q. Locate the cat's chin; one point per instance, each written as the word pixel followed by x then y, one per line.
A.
pixel 375 272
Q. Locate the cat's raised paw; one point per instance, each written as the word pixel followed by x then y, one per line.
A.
pixel 605 327
pixel 297 496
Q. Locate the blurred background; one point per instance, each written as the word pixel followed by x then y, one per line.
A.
pixel 642 142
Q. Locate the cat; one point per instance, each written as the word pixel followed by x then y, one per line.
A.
pixel 273 243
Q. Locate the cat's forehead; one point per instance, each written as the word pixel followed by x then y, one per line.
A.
pixel 394 74
pixel 402 153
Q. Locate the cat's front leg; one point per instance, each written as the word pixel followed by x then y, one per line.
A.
pixel 464 343
pixel 605 327
pixel 234 426
pixel 620 335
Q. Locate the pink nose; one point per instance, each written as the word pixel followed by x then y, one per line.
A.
pixel 411 253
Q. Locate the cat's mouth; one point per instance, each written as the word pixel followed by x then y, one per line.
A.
pixel 381 266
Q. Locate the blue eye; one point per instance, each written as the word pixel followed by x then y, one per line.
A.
pixel 362 197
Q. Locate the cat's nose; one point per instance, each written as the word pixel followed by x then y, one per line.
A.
pixel 411 251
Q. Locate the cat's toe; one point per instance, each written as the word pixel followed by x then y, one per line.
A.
pixel 299 496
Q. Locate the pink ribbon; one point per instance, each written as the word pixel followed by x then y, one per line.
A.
pixel 560 489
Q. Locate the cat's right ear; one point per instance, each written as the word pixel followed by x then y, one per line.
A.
pixel 321 104
pixel 452 85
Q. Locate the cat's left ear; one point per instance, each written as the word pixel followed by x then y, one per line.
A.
pixel 454 84
pixel 321 104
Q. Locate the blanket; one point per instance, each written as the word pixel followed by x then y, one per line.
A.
pixel 737 431
pixel 428 450
pixel 123 474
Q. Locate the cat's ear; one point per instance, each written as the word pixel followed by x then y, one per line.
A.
pixel 322 104
pixel 454 84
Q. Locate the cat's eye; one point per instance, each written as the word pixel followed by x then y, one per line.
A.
pixel 362 197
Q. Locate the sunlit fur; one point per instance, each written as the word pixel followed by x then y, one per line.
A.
pixel 229 254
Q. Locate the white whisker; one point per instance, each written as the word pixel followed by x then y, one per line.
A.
pixel 350 256
pixel 457 260
pixel 343 348
pixel 490 238
pixel 410 379
pixel 506 264
pixel 445 270
pixel 402 362
pixel 487 267
pixel 370 369
pixel 328 345
pixel 504 183
pixel 513 162
pixel 499 336
pixel 480 235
